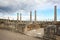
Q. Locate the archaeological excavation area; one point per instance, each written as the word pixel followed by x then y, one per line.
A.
pixel 30 30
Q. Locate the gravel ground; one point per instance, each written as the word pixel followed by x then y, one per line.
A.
pixel 58 37
pixel 7 35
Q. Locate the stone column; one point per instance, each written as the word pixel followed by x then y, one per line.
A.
pixel 17 21
pixel 30 16
pixel 8 19
pixel 8 22
pixel 17 16
pixel 35 15
pixel 55 14
pixel 20 17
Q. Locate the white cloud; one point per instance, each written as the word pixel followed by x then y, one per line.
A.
pixel 28 4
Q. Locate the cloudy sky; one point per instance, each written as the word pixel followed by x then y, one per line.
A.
pixel 44 8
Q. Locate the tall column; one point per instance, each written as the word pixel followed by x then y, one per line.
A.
pixel 20 17
pixel 55 14
pixel 30 16
pixel 8 20
pixel 16 25
pixel 17 16
pixel 35 15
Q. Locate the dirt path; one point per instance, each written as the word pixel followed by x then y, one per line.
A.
pixel 7 35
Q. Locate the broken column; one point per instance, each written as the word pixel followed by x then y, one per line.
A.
pixel 55 14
